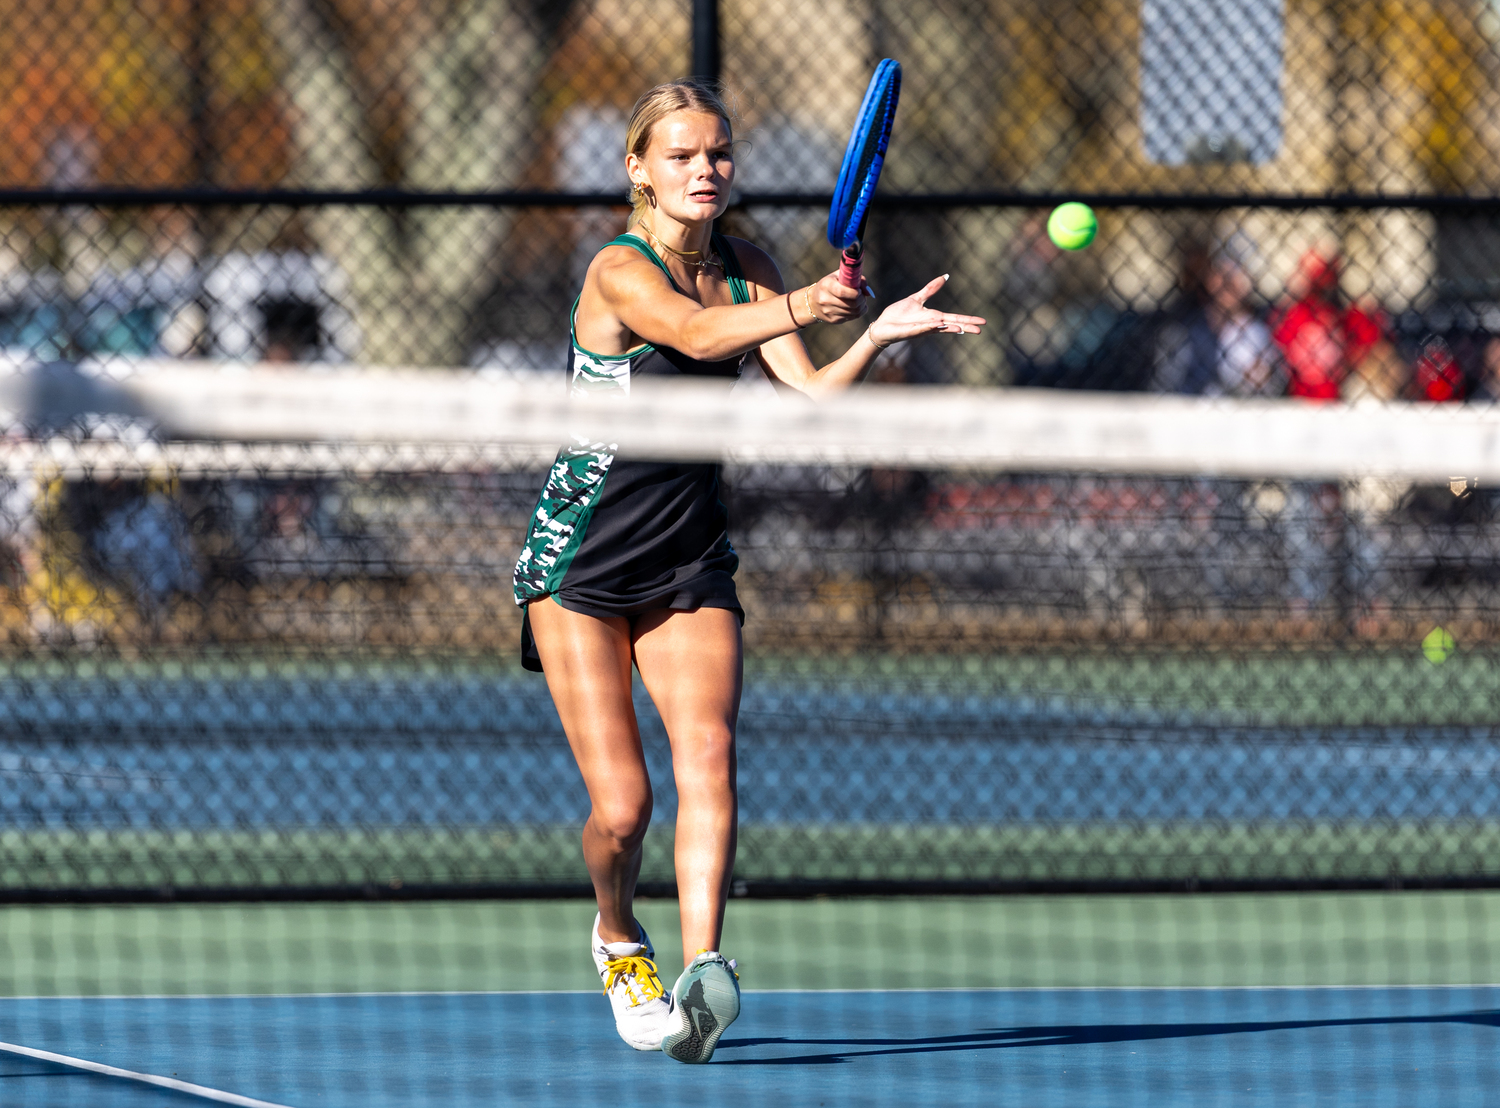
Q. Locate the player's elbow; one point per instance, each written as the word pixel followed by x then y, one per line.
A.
pixel 704 343
pixel 708 352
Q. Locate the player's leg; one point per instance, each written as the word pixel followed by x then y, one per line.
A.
pixel 691 663
pixel 587 664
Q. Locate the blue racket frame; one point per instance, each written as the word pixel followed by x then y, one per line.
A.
pixel 855 189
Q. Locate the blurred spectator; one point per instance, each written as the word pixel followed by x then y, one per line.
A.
pixel 292 330
pixel 1487 389
pixel 1438 378
pixel 1322 340
pixel 1184 354
pixel 1382 375
pixel 144 544
pixel 1249 363
pixel 1215 345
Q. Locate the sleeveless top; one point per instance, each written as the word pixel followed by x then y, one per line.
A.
pixel 618 536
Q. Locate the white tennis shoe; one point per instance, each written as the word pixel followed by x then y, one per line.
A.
pixel 705 1001
pixel 635 992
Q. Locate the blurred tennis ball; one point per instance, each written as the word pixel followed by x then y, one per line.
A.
pixel 1072 226
pixel 1437 645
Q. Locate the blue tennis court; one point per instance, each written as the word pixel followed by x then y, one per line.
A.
pixel 1282 1046
pixel 485 750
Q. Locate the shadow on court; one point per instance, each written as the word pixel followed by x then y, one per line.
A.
pixel 1078 1035
pixel 1420 1047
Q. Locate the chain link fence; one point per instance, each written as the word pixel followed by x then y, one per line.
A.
pixel 281 670
pixel 324 180
pixel 262 678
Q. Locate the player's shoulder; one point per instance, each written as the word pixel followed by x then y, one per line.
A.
pixel 613 255
pixel 759 267
pixel 618 264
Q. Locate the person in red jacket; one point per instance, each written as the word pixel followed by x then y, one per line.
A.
pixel 1321 339
pixel 1438 377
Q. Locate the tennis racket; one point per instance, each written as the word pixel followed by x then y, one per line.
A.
pixel 860 172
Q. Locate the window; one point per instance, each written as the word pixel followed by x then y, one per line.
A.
pixel 1211 80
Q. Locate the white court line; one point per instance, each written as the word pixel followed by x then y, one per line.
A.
pixel 1134 988
pixel 203 1091
pixel 900 989
pixel 309 996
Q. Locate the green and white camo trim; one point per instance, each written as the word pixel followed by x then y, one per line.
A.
pixel 561 517
pixel 574 483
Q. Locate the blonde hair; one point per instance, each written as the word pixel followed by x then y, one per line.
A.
pixel 690 94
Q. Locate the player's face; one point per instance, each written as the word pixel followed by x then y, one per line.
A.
pixel 689 166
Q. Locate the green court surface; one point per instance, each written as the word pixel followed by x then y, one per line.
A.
pixel 404 856
pixel 1313 686
pixel 1358 684
pixel 1301 939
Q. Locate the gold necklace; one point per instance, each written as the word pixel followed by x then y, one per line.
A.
pixel 686 255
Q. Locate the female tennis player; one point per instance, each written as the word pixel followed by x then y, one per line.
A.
pixel 629 561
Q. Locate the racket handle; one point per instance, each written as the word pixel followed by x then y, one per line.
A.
pixel 850 265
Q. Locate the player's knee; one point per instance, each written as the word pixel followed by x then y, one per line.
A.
pixel 705 759
pixel 623 822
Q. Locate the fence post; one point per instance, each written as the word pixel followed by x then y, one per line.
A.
pixel 706 39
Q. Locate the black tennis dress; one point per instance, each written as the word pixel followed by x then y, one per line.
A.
pixel 615 536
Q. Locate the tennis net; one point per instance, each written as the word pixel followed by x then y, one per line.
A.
pixel 260 642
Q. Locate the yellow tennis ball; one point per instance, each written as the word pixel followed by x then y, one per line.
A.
pixel 1072 226
pixel 1437 645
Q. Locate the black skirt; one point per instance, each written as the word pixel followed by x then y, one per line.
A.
pixel 658 537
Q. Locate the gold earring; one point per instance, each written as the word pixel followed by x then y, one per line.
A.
pixel 636 192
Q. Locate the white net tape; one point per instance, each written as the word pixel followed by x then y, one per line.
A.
pixel 371 420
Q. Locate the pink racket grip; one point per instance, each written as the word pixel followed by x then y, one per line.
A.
pixel 850 265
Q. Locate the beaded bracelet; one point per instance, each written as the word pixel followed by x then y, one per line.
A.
pixel 807 299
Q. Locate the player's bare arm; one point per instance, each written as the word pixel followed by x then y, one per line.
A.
pixel 626 301
pixel 786 358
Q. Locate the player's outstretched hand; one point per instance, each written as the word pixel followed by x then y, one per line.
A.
pixel 833 302
pixel 906 319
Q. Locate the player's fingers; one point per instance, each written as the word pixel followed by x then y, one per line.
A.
pixel 927 290
pixel 834 302
pixel 854 309
pixel 831 289
pixel 850 298
pixel 955 317
pixel 957 324
pixel 830 285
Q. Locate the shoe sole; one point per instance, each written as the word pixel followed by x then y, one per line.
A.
pixel 634 1044
pixel 708 1005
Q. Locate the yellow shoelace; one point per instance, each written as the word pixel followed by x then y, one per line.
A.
pixel 633 970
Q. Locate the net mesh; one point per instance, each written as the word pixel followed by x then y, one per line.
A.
pixel 246 665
